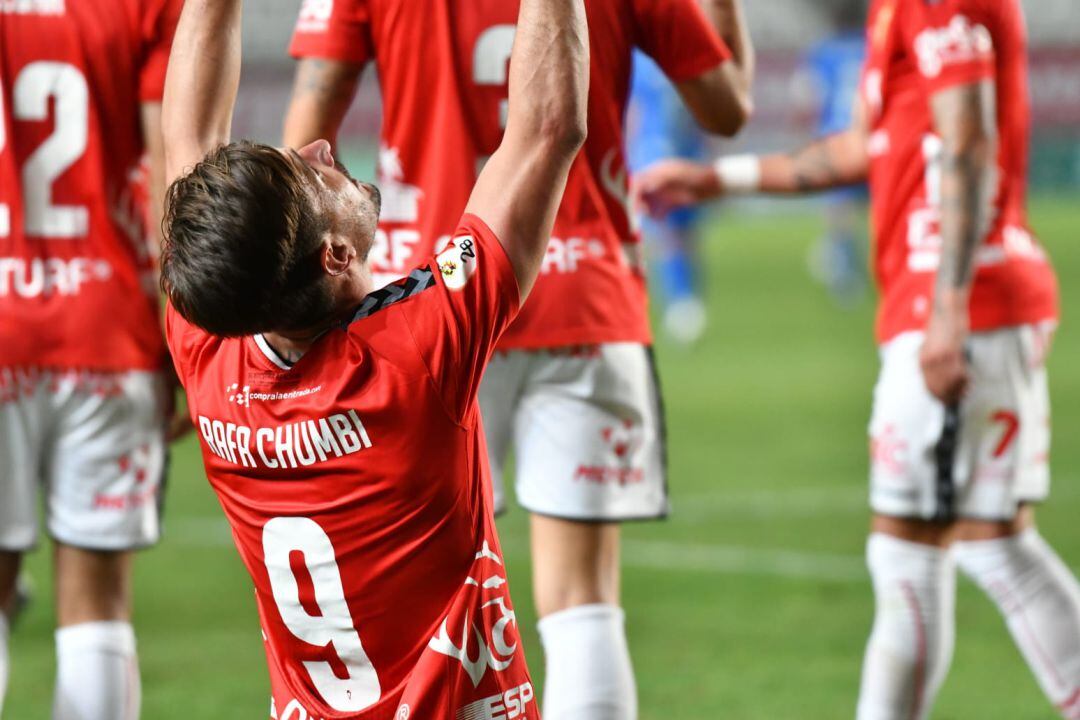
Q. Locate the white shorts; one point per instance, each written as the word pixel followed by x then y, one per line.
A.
pixel 587 429
pixel 979 460
pixel 94 444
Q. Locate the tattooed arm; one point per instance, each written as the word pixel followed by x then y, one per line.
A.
pixel 322 93
pixel 965 119
pixel 832 161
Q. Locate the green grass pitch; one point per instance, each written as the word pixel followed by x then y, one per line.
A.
pixel 751 602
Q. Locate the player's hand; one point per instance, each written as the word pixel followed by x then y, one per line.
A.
pixel 671 184
pixel 943 356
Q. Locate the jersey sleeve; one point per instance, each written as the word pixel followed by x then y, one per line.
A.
pixel 457 323
pixel 157 27
pixel 678 36
pixel 333 30
pixel 183 339
pixel 953 42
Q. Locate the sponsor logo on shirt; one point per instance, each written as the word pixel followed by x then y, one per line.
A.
pixel 489 645
pixel 32 7
pixel 400 201
pixel 613 180
pixel 47 277
pixel 457 263
pixel 243 396
pixel 958 42
pixel 293 445
pixel 315 16
pixel 565 256
pixel 504 706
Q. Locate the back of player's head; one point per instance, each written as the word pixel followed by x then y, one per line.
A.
pixel 243 232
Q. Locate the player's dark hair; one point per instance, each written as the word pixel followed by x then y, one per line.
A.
pixel 242 232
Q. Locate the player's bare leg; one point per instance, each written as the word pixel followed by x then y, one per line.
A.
pixel 9 574
pixel 576 586
pixel 1037 595
pixel 97 671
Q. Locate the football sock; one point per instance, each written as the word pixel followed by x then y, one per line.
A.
pixel 97 675
pixel 589 675
pixel 911 644
pixel 1040 600
pixel 3 659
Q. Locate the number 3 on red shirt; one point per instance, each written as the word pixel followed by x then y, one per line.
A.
pixel 290 542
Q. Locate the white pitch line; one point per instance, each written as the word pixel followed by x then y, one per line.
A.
pixel 741 560
pixel 710 559
pixel 793 502
pixel 210 532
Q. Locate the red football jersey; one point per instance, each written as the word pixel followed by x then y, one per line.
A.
pixel 443 71
pixel 917 48
pixel 77 283
pixel 355 482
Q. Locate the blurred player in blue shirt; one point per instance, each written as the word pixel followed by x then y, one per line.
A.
pixel 659 126
pixel 830 76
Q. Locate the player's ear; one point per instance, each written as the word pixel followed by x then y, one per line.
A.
pixel 337 255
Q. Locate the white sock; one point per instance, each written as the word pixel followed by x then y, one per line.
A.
pixel 97 676
pixel 911 644
pixel 1040 600
pixel 589 675
pixel 3 659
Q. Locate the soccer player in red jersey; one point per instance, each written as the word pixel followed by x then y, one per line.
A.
pixel 83 408
pixel 338 422
pixel 960 426
pixel 573 388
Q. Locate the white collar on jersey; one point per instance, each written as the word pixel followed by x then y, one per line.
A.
pixel 271 354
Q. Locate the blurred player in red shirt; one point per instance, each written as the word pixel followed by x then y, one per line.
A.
pixel 338 421
pixel 83 406
pixel 573 387
pixel 960 429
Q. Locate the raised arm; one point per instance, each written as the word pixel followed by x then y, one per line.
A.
pixel 720 99
pixel 201 84
pixel 519 190
pixel 832 161
pixel 322 93
pixel 965 119
pixel 150 120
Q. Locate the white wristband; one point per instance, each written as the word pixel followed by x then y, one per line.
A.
pixel 739 173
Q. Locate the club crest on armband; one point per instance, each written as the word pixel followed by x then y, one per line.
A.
pixel 457 262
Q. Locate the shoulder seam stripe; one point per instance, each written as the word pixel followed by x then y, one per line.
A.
pixel 417 281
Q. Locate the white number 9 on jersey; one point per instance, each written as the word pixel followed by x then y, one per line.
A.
pixel 283 536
